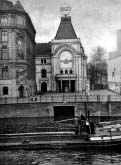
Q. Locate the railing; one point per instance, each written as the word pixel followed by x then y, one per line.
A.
pixel 61 98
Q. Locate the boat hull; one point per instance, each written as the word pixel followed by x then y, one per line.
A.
pixel 38 142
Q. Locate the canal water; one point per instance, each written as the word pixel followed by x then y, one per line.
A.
pixel 59 157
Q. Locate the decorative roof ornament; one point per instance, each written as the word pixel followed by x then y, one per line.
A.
pixel 18 6
pixel 65 9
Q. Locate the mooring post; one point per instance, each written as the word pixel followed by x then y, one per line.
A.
pixel 109 110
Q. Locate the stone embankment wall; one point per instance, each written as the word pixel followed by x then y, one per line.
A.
pixel 47 110
pixel 31 116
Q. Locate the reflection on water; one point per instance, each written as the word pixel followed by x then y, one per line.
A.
pixel 58 157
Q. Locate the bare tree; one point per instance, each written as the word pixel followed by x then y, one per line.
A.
pixel 97 69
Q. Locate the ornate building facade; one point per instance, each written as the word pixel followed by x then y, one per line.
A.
pixel 61 65
pixel 17 47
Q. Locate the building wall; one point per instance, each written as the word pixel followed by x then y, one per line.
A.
pixel 114 66
pixel 47 110
pixel 40 65
pixel 19 44
pixel 78 62
pixel 114 73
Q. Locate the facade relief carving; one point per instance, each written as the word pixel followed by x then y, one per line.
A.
pixel 22 81
pixel 21 72
pixel 20 47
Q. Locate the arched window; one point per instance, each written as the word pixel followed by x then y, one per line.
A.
pixel 61 72
pixel 71 71
pixel 66 71
pixel 43 73
pixel 21 91
pixel 44 87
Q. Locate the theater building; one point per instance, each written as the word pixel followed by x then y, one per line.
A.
pixel 61 65
pixel 17 49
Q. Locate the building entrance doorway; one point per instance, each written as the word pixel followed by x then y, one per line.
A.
pixel 66 86
pixel 63 112
pixel 44 87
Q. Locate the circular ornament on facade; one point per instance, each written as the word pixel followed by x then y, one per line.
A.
pixel 66 60
pixel 65 9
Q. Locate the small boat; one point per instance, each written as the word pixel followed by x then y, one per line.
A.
pixel 82 136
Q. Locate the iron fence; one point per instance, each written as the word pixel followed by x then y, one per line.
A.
pixel 61 98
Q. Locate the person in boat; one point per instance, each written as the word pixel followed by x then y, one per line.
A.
pixel 85 126
pixel 81 124
pixel 92 127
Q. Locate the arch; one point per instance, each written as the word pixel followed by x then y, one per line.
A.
pixel 64 47
pixel 61 71
pixel 43 73
pixel 21 91
pixel 66 71
pixel 44 87
pixel 70 71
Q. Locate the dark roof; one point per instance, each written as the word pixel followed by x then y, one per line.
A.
pixel 8 5
pixel 65 30
pixel 43 49
pixel 5 5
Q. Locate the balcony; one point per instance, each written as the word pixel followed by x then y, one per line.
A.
pixel 66 76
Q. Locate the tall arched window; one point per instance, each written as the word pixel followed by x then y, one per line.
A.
pixel 66 71
pixel 43 73
pixel 21 91
pixel 61 72
pixel 71 71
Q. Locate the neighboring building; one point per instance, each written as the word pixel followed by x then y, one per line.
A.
pixel 43 67
pixel 114 67
pixel 61 64
pixel 17 46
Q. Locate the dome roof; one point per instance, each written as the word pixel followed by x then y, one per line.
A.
pixel 5 5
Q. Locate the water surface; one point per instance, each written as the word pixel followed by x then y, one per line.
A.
pixel 59 157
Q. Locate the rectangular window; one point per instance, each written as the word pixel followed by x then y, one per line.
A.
pixel 5 90
pixel 4 21
pixel 41 61
pixel 4 54
pixel 44 61
pixel 5 72
pixel 20 20
pixel 4 37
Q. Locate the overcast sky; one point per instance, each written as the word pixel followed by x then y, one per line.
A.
pixel 95 21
